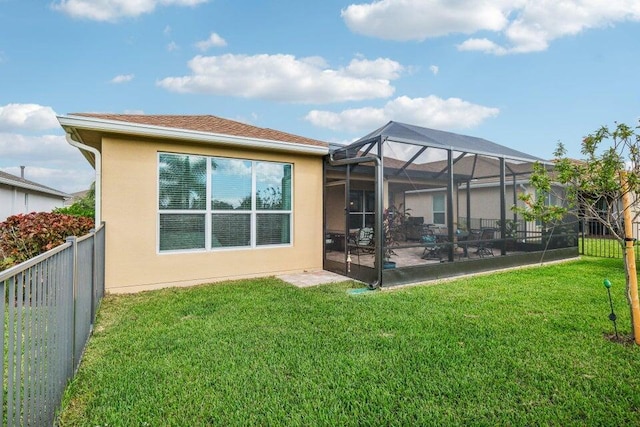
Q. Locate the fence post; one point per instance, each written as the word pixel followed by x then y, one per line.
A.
pixel 94 276
pixel 5 300
pixel 74 280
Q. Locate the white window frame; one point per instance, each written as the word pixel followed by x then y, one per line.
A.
pixel 209 211
pixel 443 211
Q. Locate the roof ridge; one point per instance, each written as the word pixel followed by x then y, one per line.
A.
pixel 206 123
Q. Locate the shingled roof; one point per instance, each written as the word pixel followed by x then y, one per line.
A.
pixel 206 123
pixel 16 181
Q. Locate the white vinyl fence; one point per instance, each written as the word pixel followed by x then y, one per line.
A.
pixel 48 309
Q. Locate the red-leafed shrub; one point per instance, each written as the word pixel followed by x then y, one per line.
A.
pixel 24 236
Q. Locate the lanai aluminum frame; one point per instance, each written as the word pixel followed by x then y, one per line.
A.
pixel 393 170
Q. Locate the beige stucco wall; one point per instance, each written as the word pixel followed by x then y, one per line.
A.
pixel 129 209
pixel 485 202
pixel 421 205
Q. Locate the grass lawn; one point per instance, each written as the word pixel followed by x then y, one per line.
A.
pixel 524 347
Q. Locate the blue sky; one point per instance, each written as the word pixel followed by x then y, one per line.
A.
pixel 521 73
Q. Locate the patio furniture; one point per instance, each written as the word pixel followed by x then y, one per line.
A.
pixel 329 243
pixel 484 245
pixel 362 240
pixel 430 243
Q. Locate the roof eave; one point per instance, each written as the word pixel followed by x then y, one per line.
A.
pixel 32 187
pixel 70 123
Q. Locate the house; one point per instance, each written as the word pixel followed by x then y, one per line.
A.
pixel 196 199
pixel 19 195
pixel 482 196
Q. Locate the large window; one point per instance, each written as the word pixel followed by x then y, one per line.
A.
pixel 212 202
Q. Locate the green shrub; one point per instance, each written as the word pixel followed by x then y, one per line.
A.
pixel 77 209
pixel 24 236
pixel 84 206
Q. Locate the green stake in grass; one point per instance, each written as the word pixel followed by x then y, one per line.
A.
pixel 612 316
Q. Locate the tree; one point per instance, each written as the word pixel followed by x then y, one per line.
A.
pixel 604 187
pixel 85 206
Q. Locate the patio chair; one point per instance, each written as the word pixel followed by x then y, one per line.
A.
pixel 430 243
pixel 485 244
pixel 363 240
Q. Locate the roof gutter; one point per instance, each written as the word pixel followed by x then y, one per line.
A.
pixel 114 126
pixel 98 167
pixel 379 226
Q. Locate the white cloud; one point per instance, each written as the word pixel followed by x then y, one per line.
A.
pixel 381 68
pixel 482 45
pixel 122 78
pixel 214 40
pixel 422 19
pixel 431 111
pixel 167 30
pixel 172 46
pixel 521 26
pixel 434 69
pixel 286 78
pixel 31 117
pixel 49 160
pixel 112 10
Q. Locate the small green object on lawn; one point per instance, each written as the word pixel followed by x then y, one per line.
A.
pixel 359 291
pixel 607 283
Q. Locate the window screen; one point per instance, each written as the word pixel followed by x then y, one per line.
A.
pixel 181 231
pixel 230 230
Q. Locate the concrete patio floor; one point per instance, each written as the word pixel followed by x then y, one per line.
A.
pixel 312 278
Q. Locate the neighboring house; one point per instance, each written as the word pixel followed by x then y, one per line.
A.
pixel 20 195
pixel 479 207
pixel 194 199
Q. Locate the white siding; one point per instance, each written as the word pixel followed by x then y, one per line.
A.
pixel 18 200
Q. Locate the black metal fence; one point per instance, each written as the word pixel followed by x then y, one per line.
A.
pixel 48 308
pixel 595 241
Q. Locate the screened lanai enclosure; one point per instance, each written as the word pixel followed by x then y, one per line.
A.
pixel 406 204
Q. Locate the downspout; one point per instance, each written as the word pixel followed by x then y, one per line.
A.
pixel 379 230
pixel 98 168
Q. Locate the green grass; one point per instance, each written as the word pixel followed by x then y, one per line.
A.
pixel 525 347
